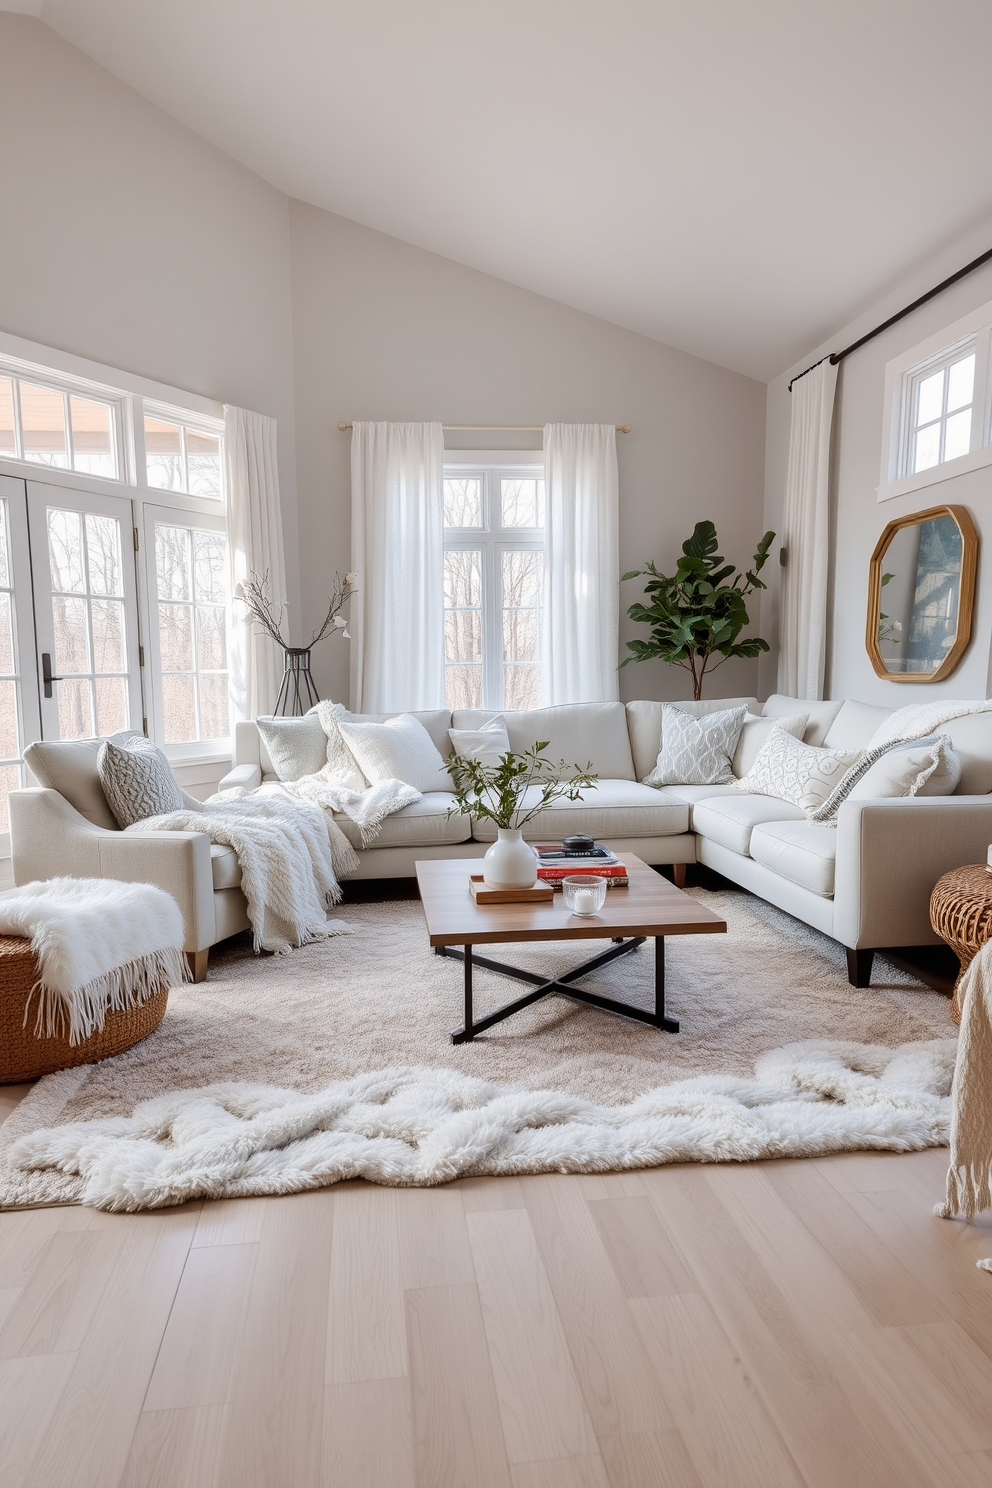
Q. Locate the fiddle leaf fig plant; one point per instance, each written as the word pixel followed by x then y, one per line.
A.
pixel 697 613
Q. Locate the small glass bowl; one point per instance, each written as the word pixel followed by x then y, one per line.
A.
pixel 584 894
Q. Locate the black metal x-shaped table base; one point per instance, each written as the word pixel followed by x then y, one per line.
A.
pixel 562 987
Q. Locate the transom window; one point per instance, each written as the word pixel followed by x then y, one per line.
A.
pixel 47 424
pixel 493 581
pixel 941 422
pixel 181 455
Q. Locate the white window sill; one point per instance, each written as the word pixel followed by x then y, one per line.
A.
pixel 975 460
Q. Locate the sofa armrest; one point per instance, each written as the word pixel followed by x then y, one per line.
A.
pixel 249 776
pixel 890 853
pixel 50 839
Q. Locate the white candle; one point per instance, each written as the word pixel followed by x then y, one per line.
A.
pixel 584 901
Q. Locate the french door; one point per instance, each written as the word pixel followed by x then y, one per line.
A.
pixel 85 611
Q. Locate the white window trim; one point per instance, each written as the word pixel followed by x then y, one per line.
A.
pixel 493 540
pixel 30 358
pixel 975 327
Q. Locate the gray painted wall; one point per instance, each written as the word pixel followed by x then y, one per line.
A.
pixel 383 330
pixel 858 516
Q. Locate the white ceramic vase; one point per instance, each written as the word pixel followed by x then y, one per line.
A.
pixel 511 863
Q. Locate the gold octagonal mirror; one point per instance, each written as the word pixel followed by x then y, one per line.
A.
pixel 921 589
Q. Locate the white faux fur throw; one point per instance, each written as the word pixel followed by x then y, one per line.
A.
pixel 421 1127
pixel 918 720
pixel 102 946
pixel 287 871
pixel 968 1187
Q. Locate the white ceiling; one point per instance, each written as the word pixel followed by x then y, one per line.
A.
pixel 737 178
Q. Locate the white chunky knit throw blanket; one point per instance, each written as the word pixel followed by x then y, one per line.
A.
pixel 102 946
pixel 917 720
pixel 970 1170
pixel 421 1127
pixel 290 849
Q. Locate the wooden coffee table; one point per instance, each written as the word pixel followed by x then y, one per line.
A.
pixel 650 906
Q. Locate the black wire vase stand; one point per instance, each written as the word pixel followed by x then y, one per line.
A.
pixel 297 693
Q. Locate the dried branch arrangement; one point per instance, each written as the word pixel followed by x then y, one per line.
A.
pixel 256 596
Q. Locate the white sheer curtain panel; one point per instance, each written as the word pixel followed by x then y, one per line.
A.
pixel 254 525
pixel 805 535
pixel 397 550
pixel 580 627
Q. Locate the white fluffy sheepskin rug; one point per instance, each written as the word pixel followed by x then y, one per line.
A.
pixel 420 1126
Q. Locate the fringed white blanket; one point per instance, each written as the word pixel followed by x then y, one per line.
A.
pixel 102 946
pixel 368 809
pixel 289 857
pixel 421 1127
pixel 968 1186
pixel 918 720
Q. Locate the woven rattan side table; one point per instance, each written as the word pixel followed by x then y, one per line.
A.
pixel 961 914
pixel 24 1057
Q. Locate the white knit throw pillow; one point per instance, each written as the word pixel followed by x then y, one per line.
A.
pixel 137 780
pixel 696 751
pixel 399 749
pixel 796 772
pixel 296 746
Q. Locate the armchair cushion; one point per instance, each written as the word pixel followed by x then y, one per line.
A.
pixel 70 767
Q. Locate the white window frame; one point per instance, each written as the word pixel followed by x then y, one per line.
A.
pixel 25 674
pixel 493 541
pixel 902 376
pixel 51 367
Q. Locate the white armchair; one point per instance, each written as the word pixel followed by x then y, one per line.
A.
pixel 66 827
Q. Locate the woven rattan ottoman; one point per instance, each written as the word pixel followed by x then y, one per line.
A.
pixel 24 1057
pixel 961 914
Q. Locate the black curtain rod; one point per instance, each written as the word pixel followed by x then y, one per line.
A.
pixel 838 356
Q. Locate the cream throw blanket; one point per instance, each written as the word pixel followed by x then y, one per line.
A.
pixel 968 1187
pixel 291 850
pixel 918 720
pixel 102 947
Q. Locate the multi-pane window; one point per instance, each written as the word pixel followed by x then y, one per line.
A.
pixel 10 770
pixel 493 580
pixel 182 456
pixel 191 590
pixel 87 581
pixel 48 425
pixel 941 421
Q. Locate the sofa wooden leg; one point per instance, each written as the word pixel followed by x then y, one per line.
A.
pixel 198 964
pixel 859 967
pixel 678 875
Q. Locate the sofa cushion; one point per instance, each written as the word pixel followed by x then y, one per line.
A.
pixel 644 725
pixel 424 824
pixel 610 808
pixel 225 869
pixel 693 794
pixel 821 714
pixel 971 736
pixel 576 733
pixel 802 852
pixel 854 725
pixel 71 768
pixel 730 820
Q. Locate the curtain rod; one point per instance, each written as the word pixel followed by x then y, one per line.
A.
pixel 838 356
pixel 620 428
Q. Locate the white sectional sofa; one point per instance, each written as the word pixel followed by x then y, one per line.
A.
pixel 866 882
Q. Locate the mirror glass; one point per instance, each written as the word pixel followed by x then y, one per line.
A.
pixel 922 578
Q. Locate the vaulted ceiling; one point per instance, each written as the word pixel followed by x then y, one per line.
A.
pixel 734 177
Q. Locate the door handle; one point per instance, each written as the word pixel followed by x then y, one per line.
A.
pixel 47 675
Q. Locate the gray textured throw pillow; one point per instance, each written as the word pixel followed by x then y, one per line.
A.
pixel 697 751
pixel 296 746
pixel 137 780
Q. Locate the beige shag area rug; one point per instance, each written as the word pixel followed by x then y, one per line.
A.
pixel 380 998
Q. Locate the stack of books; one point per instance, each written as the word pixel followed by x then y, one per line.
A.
pixel 556 863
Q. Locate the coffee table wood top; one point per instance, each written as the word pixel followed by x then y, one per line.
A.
pixel 650 906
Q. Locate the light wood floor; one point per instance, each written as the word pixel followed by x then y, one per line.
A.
pixel 775 1325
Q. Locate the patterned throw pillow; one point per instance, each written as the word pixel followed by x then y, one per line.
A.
pixel 137 780
pixel 756 733
pixel 796 772
pixel 697 751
